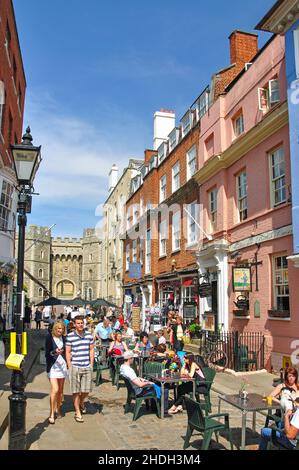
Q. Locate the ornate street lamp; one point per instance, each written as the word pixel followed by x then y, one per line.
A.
pixel 113 270
pixel 26 159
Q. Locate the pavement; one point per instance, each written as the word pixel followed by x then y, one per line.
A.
pixel 106 427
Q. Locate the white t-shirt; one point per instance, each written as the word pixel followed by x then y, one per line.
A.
pixel 129 333
pixel 162 340
pixel 130 374
pixel 295 422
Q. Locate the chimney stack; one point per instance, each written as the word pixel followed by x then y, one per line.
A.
pixel 243 47
pixel 113 177
pixel 164 122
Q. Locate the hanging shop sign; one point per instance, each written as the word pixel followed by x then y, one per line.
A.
pixel 189 310
pixel 136 318
pixel 242 302
pixel 242 279
pixel 205 289
pixel 209 322
pixel 135 270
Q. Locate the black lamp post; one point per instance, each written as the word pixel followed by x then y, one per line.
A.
pixel 26 159
pixel 113 270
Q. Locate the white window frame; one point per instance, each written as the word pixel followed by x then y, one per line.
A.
pixel 203 104
pixel 173 139
pixel 176 231
pixel 134 251
pixel 162 238
pixel 176 176
pixel 238 124
pixel 269 96
pixel 275 180
pixel 186 123
pixel 148 252
pixel 152 163
pixel 163 183
pixel 213 208
pixel 128 257
pixel 2 103
pixel 191 160
pixel 241 181
pixel 192 229
pixel 280 280
pixel 161 152
pixel 6 201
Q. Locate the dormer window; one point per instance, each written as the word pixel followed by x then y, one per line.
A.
pixel 173 138
pixel 268 96
pixel 144 171
pixel 203 103
pixel 152 163
pixel 162 152
pixel 186 122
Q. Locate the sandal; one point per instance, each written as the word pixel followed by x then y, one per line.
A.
pixel 51 420
pixel 79 419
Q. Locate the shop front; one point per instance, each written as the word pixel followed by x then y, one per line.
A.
pixel 189 296
pixel 169 296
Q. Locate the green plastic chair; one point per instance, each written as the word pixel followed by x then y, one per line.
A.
pixel 101 363
pixel 245 358
pixel 207 425
pixel 209 378
pixel 153 368
pixel 139 400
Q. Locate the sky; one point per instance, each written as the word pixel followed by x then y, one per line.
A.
pixel 97 71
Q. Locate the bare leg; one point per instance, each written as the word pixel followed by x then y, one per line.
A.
pixel 53 396
pixel 76 398
pixel 59 395
pixel 82 398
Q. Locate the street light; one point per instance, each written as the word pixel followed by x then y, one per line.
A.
pixel 26 159
pixel 113 270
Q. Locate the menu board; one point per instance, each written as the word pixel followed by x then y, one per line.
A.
pixel 136 318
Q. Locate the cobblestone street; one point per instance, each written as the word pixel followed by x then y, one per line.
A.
pixel 107 427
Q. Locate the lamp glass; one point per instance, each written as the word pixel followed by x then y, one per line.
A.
pixel 26 160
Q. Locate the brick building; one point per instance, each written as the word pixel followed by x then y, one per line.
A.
pixel 12 96
pixel 163 208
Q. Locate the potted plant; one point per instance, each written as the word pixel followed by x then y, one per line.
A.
pixel 195 330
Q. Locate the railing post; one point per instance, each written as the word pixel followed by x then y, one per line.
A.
pixel 236 350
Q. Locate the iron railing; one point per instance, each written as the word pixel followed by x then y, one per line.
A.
pixel 244 351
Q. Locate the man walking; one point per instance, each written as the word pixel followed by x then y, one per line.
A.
pixel 80 359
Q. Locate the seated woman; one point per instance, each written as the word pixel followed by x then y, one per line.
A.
pixel 144 344
pixel 118 344
pixel 191 369
pixel 286 392
pixel 160 351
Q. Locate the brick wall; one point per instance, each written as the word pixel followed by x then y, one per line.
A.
pixel 12 74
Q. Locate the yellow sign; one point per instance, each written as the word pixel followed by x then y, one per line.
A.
pixel 136 318
pixel 14 361
pixel 286 362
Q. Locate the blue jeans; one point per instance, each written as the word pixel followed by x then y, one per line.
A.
pixel 280 436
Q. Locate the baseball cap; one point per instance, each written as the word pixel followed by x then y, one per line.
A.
pixel 128 354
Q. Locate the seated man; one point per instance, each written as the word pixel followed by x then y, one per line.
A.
pixel 285 437
pixel 128 332
pixel 141 386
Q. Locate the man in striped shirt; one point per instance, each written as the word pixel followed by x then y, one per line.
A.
pixel 80 358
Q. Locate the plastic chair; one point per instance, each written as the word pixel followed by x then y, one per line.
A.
pixel 209 378
pixel 245 358
pixel 101 363
pixel 150 395
pixel 206 425
pixel 153 367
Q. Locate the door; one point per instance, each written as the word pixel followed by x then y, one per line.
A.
pixel 215 303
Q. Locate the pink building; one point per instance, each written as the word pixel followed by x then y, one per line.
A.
pixel 245 189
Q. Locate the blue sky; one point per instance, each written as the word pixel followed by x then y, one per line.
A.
pixel 96 73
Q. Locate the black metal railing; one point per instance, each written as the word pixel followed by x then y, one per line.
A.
pixel 245 351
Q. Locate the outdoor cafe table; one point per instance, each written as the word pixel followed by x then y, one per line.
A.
pixel 253 404
pixel 170 380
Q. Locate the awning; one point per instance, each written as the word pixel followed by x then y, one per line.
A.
pixel 187 282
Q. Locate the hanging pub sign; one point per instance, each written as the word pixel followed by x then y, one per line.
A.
pixel 205 289
pixel 242 279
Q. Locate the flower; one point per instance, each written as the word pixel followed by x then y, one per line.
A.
pixel 243 385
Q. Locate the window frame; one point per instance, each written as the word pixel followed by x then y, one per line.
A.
pixel 176 224
pixel 162 238
pixel 128 257
pixel 238 130
pixel 213 207
pixel 148 252
pixel 273 180
pixel 275 285
pixel 190 223
pixel 176 176
pixel 134 251
pixel 189 161
pixel 241 197
pixel 6 203
pixel 162 192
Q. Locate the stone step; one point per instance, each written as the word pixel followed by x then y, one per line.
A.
pixel 193 348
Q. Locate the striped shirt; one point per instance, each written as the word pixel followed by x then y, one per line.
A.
pixel 80 346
